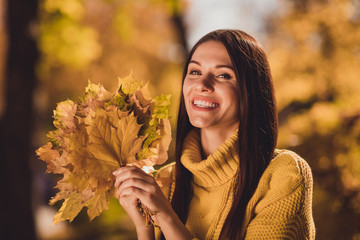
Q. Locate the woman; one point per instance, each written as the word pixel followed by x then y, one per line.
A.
pixel 228 181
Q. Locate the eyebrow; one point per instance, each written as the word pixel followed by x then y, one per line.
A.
pixel 217 66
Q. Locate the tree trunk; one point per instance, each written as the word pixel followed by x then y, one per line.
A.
pixel 16 217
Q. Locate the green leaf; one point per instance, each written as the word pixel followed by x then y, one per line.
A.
pixel 161 106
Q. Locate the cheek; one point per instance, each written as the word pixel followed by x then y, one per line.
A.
pixel 231 93
pixel 232 100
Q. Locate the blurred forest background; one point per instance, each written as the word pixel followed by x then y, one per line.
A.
pixel 49 49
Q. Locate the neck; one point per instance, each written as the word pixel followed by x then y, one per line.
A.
pixel 211 138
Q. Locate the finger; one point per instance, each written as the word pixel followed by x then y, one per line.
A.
pixel 151 197
pixel 128 172
pixel 138 183
pixel 132 173
pixel 132 192
pixel 127 168
pixel 128 201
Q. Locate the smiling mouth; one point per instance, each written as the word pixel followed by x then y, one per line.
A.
pixel 205 104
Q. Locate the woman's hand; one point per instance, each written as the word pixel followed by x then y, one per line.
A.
pixel 132 185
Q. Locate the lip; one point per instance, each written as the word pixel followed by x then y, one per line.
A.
pixel 207 101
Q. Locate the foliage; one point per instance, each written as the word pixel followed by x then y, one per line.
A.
pixel 315 58
pixel 99 134
pixel 62 34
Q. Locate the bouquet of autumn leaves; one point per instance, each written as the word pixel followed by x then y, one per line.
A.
pixel 98 134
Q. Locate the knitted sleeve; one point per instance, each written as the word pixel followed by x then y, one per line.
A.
pixel 283 205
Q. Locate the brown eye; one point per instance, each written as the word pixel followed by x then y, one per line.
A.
pixel 194 72
pixel 225 76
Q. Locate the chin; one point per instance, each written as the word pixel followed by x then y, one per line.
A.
pixel 200 123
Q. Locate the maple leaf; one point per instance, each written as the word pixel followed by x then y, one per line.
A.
pixel 48 154
pixel 64 115
pixel 96 92
pixel 95 97
pixel 70 208
pixel 129 84
pixel 96 136
pixel 104 141
pixel 97 204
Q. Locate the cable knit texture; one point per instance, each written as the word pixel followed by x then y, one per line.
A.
pixel 281 207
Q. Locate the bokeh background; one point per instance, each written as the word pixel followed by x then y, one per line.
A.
pixel 49 49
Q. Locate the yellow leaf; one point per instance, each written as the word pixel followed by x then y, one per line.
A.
pixel 87 194
pixel 47 154
pixel 97 204
pixel 69 209
pixel 56 163
pixel 64 115
pixel 96 170
pixel 103 140
pixel 97 91
pixel 130 143
pixel 129 85
pixel 72 182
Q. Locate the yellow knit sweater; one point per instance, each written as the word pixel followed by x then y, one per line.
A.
pixel 281 207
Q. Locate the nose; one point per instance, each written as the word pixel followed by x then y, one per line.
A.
pixel 205 83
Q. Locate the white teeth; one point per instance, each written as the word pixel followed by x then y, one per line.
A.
pixel 203 104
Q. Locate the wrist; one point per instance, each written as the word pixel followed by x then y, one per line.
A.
pixel 171 226
pixel 145 232
pixel 164 218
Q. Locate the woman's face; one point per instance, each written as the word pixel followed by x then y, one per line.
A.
pixel 210 88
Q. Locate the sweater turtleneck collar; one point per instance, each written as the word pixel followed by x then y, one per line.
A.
pixel 218 168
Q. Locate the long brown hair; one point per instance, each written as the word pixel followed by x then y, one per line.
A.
pixel 257 132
